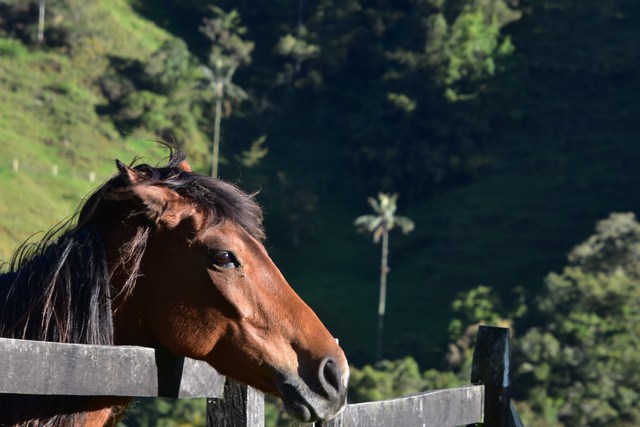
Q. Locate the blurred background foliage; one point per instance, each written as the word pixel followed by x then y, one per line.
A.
pixel 507 127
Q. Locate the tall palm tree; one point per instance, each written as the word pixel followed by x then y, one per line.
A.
pixel 223 88
pixel 228 52
pixel 380 224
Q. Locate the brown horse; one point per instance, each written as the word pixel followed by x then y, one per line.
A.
pixel 163 257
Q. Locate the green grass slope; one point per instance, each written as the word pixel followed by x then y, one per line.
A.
pixel 48 121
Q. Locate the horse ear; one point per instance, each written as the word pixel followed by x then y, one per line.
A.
pixel 133 176
pixel 184 166
pixel 161 205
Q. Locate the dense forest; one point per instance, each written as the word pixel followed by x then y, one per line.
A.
pixel 507 128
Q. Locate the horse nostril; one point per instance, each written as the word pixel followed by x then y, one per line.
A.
pixel 330 377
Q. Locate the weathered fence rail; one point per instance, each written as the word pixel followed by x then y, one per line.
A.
pixel 438 408
pixel 33 367
pixel 37 367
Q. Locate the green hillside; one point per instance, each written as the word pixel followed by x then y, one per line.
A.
pixel 506 138
pixel 49 119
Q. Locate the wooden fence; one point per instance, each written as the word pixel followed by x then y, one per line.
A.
pixel 48 171
pixel 34 367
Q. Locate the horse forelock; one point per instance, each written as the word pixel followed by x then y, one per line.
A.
pixel 217 199
pixel 221 201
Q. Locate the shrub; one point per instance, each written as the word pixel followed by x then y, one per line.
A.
pixel 12 48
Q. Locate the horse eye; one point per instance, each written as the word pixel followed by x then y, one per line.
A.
pixel 224 259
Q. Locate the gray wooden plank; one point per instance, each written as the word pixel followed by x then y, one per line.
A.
pixel 438 408
pixel 36 367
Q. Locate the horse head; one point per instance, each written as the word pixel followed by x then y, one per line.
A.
pixel 192 275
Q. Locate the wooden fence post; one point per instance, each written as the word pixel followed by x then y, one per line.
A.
pixel 241 406
pixel 490 367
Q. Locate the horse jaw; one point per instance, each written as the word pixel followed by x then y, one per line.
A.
pixel 312 388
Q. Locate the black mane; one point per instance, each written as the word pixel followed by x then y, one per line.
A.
pixel 60 292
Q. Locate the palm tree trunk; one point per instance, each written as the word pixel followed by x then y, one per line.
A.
pixel 41 10
pixel 216 131
pixel 384 269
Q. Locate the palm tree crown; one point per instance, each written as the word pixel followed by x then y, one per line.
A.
pixel 385 219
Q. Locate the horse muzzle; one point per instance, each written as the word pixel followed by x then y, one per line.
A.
pixel 321 397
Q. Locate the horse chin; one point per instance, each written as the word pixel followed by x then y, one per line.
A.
pixel 306 406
